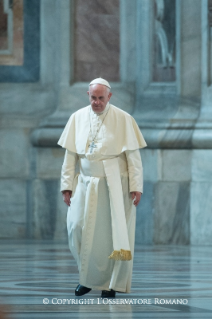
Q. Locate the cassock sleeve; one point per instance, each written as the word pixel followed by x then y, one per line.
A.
pixel 68 170
pixel 135 170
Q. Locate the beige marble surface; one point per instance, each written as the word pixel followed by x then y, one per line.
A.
pixel 97 40
pixel 3 28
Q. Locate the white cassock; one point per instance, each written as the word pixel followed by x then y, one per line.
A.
pixel 101 218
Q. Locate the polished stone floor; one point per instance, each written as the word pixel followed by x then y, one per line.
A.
pixel 38 281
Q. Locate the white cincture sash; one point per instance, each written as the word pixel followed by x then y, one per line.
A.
pixel 121 244
pixel 110 169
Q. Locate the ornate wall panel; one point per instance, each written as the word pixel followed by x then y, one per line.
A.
pixel 20 40
pixel 11 32
pixel 164 43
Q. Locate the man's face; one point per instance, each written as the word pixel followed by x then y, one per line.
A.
pixel 99 95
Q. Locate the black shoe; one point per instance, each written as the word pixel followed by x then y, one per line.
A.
pixel 81 290
pixel 108 294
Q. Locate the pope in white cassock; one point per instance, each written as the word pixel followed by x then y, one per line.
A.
pixel 103 196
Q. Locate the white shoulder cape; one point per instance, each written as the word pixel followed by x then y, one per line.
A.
pixel 120 132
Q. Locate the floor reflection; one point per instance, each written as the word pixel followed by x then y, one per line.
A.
pixel 38 281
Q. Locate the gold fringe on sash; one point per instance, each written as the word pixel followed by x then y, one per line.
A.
pixel 121 255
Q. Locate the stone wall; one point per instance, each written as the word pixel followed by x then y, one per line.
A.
pixel 37 99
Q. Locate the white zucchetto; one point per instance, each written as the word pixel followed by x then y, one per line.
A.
pixel 100 81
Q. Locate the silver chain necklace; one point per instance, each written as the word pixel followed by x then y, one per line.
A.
pixel 93 145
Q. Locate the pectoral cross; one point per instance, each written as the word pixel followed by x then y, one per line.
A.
pixel 92 146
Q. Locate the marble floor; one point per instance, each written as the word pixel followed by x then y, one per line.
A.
pixel 38 281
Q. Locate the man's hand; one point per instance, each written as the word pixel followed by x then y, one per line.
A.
pixel 136 196
pixel 67 197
